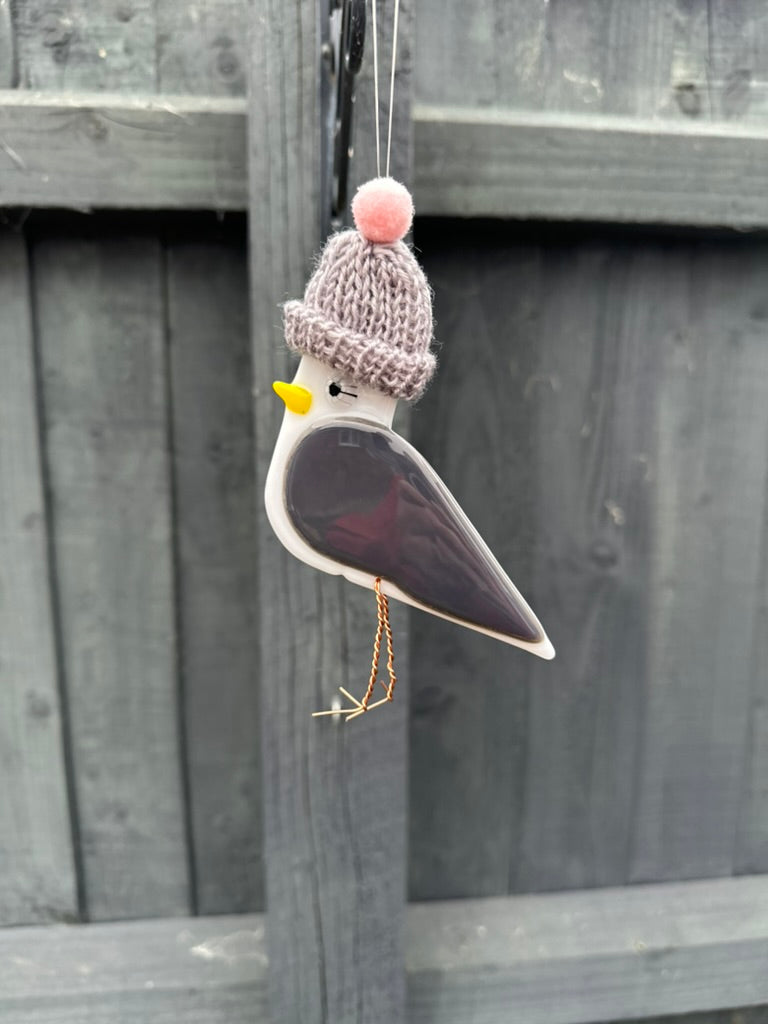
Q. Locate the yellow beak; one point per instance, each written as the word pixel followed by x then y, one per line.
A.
pixel 296 398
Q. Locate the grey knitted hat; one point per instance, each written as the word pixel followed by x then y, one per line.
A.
pixel 367 309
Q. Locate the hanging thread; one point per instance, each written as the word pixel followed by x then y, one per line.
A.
pixel 391 86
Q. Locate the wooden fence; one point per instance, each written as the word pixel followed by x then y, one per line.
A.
pixel 601 413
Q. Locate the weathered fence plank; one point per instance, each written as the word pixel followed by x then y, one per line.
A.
pixel 590 168
pixel 470 694
pixel 574 958
pixel 201 48
pixel 591 403
pixel 215 495
pixel 571 958
pixel 666 59
pixel 334 795
pixel 8 69
pixel 198 970
pixel 177 152
pixel 616 462
pixel 97 150
pixel 708 584
pixel 553 459
pixel 74 44
pixel 100 320
pixel 37 877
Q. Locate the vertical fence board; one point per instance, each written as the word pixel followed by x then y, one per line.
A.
pixel 100 319
pixel 625 386
pixel 214 473
pixel 752 838
pixel 37 875
pixel 201 48
pixel 536 759
pixel 74 44
pixel 7 47
pixel 708 581
pixel 470 699
pixel 669 58
pixel 592 399
pixel 334 795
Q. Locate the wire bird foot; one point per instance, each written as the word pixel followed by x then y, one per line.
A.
pixel 383 628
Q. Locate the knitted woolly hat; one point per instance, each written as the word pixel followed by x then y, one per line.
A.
pixel 367 309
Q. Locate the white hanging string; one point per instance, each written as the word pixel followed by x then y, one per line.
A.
pixel 376 90
pixel 391 86
pixel 392 83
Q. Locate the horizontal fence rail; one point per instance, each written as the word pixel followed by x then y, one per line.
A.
pixel 95 150
pixel 566 958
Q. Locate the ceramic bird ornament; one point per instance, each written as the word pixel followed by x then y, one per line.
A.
pixel 344 492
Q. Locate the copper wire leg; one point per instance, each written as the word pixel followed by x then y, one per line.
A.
pixel 383 629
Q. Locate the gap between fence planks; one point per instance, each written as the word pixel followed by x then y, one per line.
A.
pixel 571 958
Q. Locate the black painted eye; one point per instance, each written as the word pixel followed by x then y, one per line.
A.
pixel 342 391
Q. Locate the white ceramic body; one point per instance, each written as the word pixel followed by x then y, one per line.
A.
pixel 374 409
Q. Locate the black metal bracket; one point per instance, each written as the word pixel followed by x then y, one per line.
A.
pixel 343 51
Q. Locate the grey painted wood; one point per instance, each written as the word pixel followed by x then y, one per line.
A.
pixel 523 771
pixel 624 954
pixel 741 1015
pixel 101 150
pixel 593 418
pixel 100 319
pixel 708 568
pixel 569 959
pixel 334 795
pixel 470 693
pixel 201 48
pixel 37 880
pixel 590 168
pixel 199 970
pixel 175 152
pixel 8 68
pixel 752 838
pixel 616 463
pixel 215 496
pixel 133 46
pixel 74 44
pixel 663 59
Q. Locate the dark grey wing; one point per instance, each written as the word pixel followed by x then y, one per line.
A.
pixel 365 498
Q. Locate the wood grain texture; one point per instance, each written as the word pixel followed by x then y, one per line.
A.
pixel 37 879
pixel 470 694
pixel 668 59
pixel 538 757
pixel 616 463
pixel 215 495
pixel 569 959
pixel 87 150
pixel 201 48
pixel 334 795
pixel 100 317
pixel 708 571
pixel 594 427
pixel 587 168
pixel 74 44
pixel 199 970
pixel 96 150
pixel 627 954
pixel 8 69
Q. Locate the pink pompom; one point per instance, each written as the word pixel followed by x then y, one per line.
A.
pixel 383 210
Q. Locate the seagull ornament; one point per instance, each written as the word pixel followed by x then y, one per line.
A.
pixel 344 492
